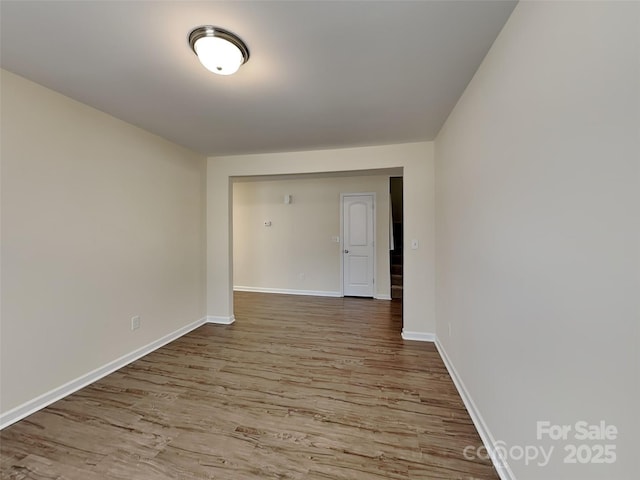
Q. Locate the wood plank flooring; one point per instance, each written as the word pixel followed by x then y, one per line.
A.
pixel 297 388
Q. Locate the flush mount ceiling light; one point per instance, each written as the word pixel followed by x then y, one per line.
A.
pixel 219 50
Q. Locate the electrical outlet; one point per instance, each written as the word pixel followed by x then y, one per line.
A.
pixel 135 322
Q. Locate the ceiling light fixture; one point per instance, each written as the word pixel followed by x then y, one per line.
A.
pixel 219 50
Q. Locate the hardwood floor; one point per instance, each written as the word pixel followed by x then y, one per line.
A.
pixel 297 388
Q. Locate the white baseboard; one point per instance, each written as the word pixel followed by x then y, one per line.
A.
pixel 501 466
pixel 418 336
pixel 38 403
pixel 382 297
pixel 287 291
pixel 221 320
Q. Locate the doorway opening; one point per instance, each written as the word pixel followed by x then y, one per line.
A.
pixel 286 233
pixel 396 253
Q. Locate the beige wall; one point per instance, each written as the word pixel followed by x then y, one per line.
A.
pixel 416 160
pixel 100 221
pixel 538 231
pixel 298 251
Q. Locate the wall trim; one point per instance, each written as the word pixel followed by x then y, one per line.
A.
pixel 418 336
pixel 31 406
pixel 287 291
pixel 220 320
pixel 384 296
pixel 501 465
pixel 21 411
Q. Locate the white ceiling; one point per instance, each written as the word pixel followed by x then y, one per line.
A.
pixel 322 74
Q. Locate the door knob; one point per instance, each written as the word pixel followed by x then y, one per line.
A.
pixel 346 251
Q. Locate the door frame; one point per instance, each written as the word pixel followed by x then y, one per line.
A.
pixel 375 236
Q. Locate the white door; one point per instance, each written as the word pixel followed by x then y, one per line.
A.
pixel 358 232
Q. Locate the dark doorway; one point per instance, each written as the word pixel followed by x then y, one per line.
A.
pixel 395 189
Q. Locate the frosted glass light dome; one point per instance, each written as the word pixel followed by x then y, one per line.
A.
pixel 218 55
pixel 219 51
